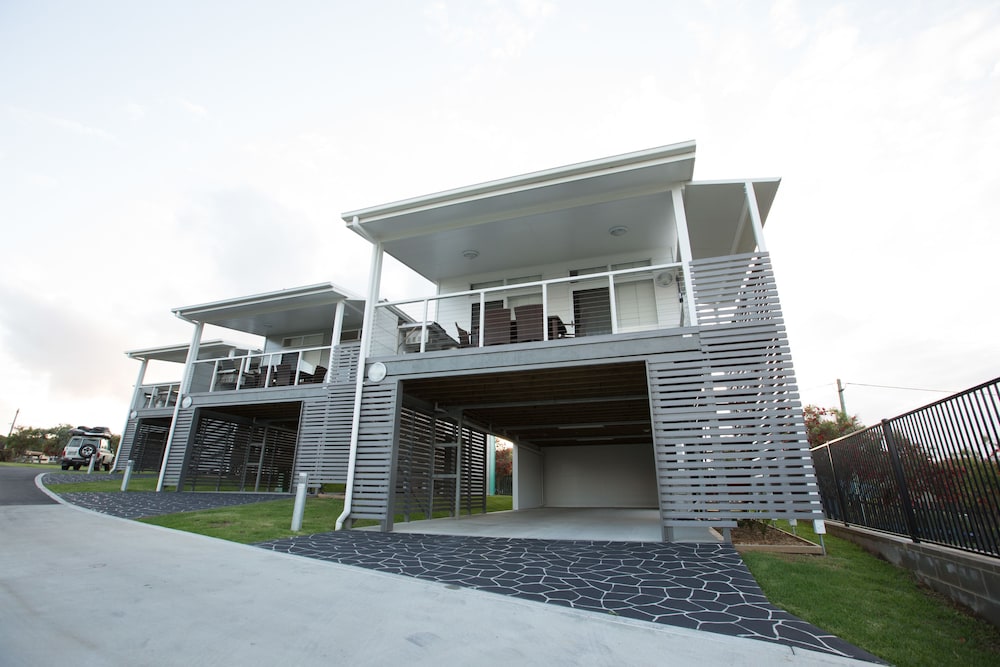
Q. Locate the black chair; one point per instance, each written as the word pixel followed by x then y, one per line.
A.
pixel 465 338
pixel 529 322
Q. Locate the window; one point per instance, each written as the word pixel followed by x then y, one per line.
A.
pixel 307 340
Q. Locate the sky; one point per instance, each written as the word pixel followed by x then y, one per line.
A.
pixel 163 154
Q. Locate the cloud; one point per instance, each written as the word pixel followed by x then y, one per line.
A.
pixel 68 347
pixel 135 111
pixel 67 124
pixel 192 107
pixel 504 30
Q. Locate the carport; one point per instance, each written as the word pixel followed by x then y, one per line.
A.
pixel 247 447
pixel 583 444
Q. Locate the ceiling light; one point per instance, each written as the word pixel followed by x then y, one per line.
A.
pixel 470 254
pixel 618 230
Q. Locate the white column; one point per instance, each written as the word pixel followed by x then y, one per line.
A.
pixel 374 280
pixel 135 398
pixel 758 225
pixel 185 387
pixel 338 330
pixel 684 243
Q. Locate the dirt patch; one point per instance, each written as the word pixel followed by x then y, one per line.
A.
pixel 753 535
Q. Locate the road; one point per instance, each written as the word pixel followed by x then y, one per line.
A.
pixel 17 486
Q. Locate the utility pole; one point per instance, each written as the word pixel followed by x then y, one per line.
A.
pixel 840 391
pixel 16 413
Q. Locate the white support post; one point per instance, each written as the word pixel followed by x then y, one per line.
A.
pixel 135 399
pixel 684 243
pixel 458 470
pixel 613 303
pixel 127 477
pixel 482 318
pixel 758 225
pixel 374 280
pixel 423 329
pixel 184 388
pixel 300 501
pixel 338 331
pixel 545 311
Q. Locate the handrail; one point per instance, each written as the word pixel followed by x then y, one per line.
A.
pixel 537 283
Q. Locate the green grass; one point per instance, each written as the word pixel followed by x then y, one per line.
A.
pixel 261 522
pixel 873 604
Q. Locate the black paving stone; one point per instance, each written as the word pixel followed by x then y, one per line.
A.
pixel 700 586
pixel 139 504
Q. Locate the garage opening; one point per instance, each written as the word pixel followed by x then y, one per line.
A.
pixel 149 444
pixel 248 448
pixel 583 436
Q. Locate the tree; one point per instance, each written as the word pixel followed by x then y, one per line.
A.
pixel 49 441
pixel 826 424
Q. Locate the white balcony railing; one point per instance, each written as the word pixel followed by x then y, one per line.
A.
pixel 592 304
pixel 282 368
pixel 153 396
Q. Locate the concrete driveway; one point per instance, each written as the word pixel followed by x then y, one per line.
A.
pixel 85 589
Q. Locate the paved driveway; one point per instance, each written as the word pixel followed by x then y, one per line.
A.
pixel 78 588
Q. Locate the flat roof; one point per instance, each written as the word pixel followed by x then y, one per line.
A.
pixel 297 309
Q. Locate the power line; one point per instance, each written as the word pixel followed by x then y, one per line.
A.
pixel 883 386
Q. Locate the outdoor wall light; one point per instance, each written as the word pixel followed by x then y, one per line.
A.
pixel 618 230
pixel 470 254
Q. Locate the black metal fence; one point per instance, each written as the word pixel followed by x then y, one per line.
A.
pixel 932 474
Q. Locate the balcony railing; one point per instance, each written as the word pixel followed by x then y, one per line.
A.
pixel 282 368
pixel 158 396
pixel 592 304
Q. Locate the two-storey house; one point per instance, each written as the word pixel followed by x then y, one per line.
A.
pixel 616 320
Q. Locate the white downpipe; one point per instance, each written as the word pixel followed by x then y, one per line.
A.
pixel 684 241
pixel 135 397
pixel 182 392
pixel 366 335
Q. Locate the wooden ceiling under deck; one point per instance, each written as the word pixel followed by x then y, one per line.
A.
pixel 604 404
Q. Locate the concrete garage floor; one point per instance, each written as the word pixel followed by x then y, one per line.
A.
pixel 559 523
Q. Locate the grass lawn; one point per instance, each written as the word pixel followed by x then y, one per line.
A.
pixel 873 604
pixel 261 522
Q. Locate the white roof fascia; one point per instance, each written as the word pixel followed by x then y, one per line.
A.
pixel 189 313
pixel 167 352
pixel 609 165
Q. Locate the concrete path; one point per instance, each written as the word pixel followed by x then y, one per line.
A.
pixel 85 589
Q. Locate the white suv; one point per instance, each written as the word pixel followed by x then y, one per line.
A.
pixel 86 442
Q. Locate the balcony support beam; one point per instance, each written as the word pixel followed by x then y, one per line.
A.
pixel 338 331
pixel 684 243
pixel 135 399
pixel 758 226
pixel 185 387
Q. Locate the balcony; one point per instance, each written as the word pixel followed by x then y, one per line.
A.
pixel 592 302
pixel 282 368
pixel 156 396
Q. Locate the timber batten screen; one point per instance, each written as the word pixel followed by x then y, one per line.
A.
pixel 373 467
pixel 729 433
pixel 436 473
pixel 325 436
